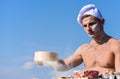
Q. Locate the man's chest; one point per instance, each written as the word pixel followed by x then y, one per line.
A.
pixel 101 56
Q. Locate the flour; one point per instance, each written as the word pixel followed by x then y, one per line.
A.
pixel 55 65
pixel 95 28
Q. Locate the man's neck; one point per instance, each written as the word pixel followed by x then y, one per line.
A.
pixel 101 39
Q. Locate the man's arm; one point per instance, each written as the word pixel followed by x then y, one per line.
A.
pixel 70 62
pixel 116 50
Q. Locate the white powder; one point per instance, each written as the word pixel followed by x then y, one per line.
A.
pixel 55 65
pixel 95 28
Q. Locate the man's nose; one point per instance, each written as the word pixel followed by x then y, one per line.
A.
pixel 88 27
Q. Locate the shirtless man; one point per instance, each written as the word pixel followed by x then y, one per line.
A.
pixel 102 53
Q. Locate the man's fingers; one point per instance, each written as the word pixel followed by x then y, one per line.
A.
pixel 40 63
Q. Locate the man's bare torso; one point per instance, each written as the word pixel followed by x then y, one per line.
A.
pixel 98 57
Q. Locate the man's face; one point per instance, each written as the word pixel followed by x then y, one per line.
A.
pixel 92 26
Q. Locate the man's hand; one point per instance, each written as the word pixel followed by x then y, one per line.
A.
pixel 40 63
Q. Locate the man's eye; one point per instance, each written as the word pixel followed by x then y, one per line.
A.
pixel 84 25
pixel 92 23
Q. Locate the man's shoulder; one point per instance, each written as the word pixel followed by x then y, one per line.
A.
pixel 115 44
pixel 114 41
pixel 83 47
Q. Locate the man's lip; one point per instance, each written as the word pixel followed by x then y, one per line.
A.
pixel 90 33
